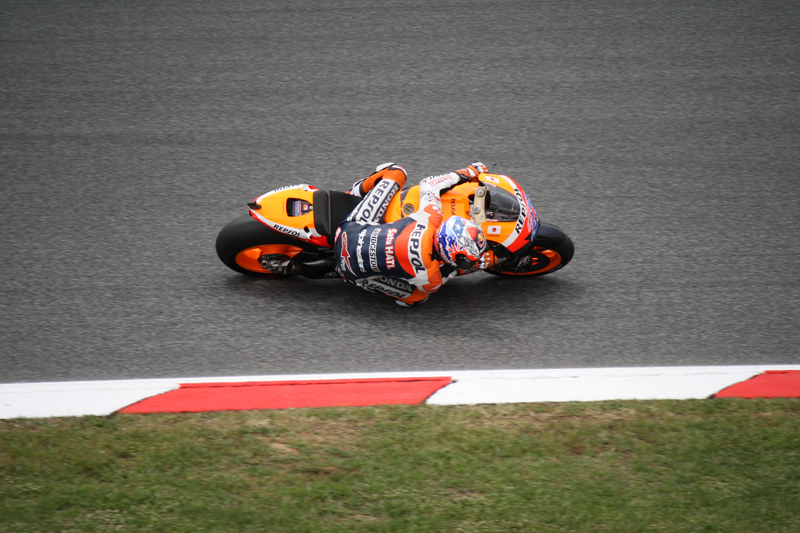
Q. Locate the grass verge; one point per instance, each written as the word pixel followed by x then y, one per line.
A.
pixel 713 465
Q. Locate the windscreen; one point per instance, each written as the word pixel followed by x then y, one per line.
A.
pixel 502 206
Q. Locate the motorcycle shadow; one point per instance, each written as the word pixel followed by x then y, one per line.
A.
pixel 477 293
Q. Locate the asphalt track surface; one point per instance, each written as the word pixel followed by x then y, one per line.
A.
pixel 664 137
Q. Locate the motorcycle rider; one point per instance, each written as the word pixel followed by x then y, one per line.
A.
pixel 414 256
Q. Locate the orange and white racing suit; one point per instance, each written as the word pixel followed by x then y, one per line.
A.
pixel 396 258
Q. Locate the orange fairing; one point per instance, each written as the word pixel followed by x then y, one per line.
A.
pixel 512 234
pixel 289 210
pixel 398 209
pixel 249 258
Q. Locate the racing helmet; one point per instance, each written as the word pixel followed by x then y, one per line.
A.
pixel 459 242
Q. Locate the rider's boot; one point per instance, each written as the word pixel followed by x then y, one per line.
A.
pixel 388 171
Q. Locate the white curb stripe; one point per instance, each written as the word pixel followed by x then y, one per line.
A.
pixel 76 398
pixel 80 398
pixel 595 384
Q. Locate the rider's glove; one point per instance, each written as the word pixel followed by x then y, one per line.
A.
pixel 483 262
pixel 472 172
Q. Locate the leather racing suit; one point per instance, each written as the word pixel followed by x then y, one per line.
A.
pixel 398 258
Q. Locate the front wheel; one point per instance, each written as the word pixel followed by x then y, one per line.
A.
pixel 552 249
pixel 249 247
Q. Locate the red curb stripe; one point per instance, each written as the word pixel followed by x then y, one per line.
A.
pixel 770 384
pixel 201 397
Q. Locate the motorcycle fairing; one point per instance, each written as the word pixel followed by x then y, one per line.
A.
pixel 523 230
pixel 514 234
pixel 278 209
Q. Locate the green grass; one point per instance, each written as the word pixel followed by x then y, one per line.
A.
pixel 713 465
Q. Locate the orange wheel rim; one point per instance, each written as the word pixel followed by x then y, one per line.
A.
pixel 249 258
pixel 548 259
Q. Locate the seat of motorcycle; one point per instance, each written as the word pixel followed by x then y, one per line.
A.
pixel 330 210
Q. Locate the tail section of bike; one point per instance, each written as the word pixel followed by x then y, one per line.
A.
pixel 290 211
pixel 288 231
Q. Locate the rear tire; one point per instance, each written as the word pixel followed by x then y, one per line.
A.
pixel 247 234
pixel 552 249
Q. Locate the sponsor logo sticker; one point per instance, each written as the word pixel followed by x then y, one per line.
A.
pixel 393 287
pixel 290 231
pixel 436 181
pixel 373 250
pixel 344 263
pixel 361 237
pixel 389 250
pixel 414 247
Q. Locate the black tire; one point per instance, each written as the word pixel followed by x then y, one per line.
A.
pixel 246 232
pixel 551 244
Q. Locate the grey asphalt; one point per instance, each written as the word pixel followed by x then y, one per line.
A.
pixel 662 136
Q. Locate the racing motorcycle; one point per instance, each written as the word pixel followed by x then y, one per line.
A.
pixel 291 230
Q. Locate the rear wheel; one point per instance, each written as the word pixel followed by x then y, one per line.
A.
pixel 552 250
pixel 248 246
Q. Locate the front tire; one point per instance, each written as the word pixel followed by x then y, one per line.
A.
pixel 552 249
pixel 244 243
